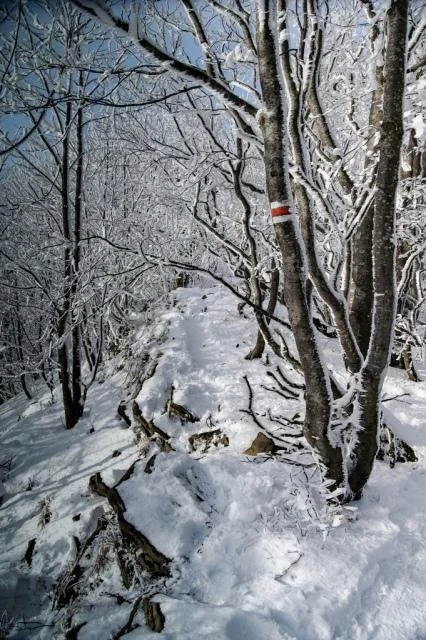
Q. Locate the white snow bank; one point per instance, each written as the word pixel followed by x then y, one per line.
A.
pixel 255 553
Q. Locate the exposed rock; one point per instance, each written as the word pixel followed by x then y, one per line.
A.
pixel 72 634
pixel 181 280
pixel 203 441
pixel 127 474
pixel 261 444
pixel 154 617
pixel 150 559
pixel 126 570
pixel 392 449
pixel 121 410
pixel 149 467
pixel 148 365
pixel 178 411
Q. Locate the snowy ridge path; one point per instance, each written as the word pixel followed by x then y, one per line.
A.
pixel 251 573
pixel 255 554
pixel 203 360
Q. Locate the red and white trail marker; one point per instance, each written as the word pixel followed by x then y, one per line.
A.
pixel 280 212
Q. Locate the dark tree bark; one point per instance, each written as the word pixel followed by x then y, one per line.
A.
pixel 259 347
pixel 71 417
pixel 20 350
pixel 68 329
pixel 335 301
pixel 361 294
pixel 296 291
pixel 384 306
pixel 76 328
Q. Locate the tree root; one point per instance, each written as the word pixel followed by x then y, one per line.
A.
pixel 154 617
pixel 65 588
pixel 72 634
pixel 250 410
pixel 148 557
pixel 129 625
pixel 150 430
pixel 127 474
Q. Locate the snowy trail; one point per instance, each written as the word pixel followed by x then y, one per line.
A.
pixel 250 560
pixel 346 586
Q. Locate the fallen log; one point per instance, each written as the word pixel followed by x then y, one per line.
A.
pixel 148 556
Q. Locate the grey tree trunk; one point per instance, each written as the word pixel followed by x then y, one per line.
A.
pixel 63 358
pixel 259 347
pixel 384 305
pixel 296 291
pixel 69 355
pixel 361 287
pixel 76 328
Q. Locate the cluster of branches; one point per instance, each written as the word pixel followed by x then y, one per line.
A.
pixel 157 137
pixel 102 204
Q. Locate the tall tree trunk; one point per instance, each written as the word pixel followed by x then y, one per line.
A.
pixel 334 300
pixel 23 377
pixel 69 333
pixel 296 293
pixel 361 287
pixel 409 266
pixel 76 325
pixel 259 347
pixel 63 360
pixel 19 346
pixel 361 252
pixel 384 306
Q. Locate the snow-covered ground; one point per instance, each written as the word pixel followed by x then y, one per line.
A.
pixel 255 554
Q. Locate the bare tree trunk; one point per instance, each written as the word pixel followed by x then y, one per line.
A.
pixel 23 377
pixel 76 326
pixel 296 293
pixel 335 301
pixel 69 352
pixel 361 293
pixel 361 287
pixel 408 269
pixel 19 347
pixel 259 347
pixel 383 316
pixel 63 360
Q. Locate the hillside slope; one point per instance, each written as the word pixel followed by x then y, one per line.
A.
pixel 253 551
